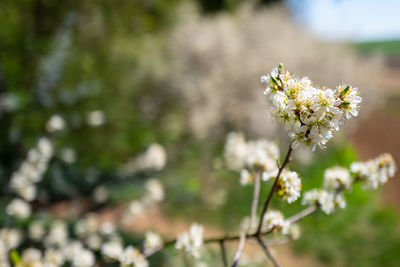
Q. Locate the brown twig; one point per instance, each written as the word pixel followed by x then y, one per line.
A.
pixel 268 200
pixel 267 252
pixel 223 253
pixel 302 214
pixel 253 214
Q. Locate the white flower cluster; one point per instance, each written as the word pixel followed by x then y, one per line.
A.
pixel 55 123
pixel 289 186
pixel 376 171
pixel 260 155
pixel 59 248
pixel 327 200
pixel 154 158
pixel 337 178
pixel 274 220
pixel 191 241
pixel 131 257
pixel 31 170
pixel 10 238
pixel 113 251
pixel 19 208
pixel 154 193
pixel 152 242
pixel 308 112
pixel 96 118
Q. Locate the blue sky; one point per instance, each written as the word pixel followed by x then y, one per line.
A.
pixel 350 20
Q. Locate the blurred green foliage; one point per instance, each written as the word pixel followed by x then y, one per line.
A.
pixel 390 48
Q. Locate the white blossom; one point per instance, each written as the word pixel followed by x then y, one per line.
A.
pixel 309 113
pixel 68 155
pixel 155 190
pixel 337 177
pixel 235 151
pixel 245 177
pixel 376 171
pixel 191 241
pixel 58 234
pixel 112 251
pixel 94 241
pixel 340 201
pixel 86 226
pixel 132 257
pixel 32 169
pixel 84 258
pixel 72 249
pixel 135 208
pixel 258 155
pixel 294 231
pixel 320 197
pixel 19 209
pixel 289 186
pixel 152 241
pixel 55 123
pixel 107 228
pixel 96 118
pixel 31 257
pixel 273 219
pixel 53 257
pixel 154 158
pixel 100 194
pixel 36 230
pixel 10 237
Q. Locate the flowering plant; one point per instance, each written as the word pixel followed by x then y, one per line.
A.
pixel 310 115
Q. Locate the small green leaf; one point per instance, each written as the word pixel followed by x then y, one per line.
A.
pixel 15 258
pixel 345 90
pixel 274 81
pixel 280 68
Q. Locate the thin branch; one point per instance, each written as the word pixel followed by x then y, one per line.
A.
pixel 302 214
pixel 230 238
pixel 268 200
pixel 256 197
pixel 253 214
pixel 267 252
pixel 239 250
pixel 223 253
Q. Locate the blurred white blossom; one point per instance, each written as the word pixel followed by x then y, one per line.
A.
pixel 19 209
pixel 274 220
pixel 152 241
pixel 55 123
pixel 131 257
pixel 112 251
pixel 36 230
pixel 191 241
pixel 154 158
pixel 337 177
pixel 58 234
pixel 96 118
pixel 320 197
pixel 155 190
pixel 84 258
pixel 53 257
pixel 100 194
pixel 376 171
pixel 68 155
pixel 32 169
pixel 10 237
